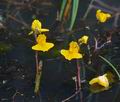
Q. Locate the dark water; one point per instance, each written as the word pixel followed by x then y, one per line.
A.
pixel 17 65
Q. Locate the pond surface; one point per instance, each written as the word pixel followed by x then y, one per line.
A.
pixel 17 60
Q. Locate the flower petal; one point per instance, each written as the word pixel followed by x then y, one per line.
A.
pixel 83 39
pixel 48 46
pixel 65 53
pixel 73 47
pixel 70 56
pixel 36 25
pixel 95 88
pixel 103 81
pixel 101 16
pixel 44 30
pixel 44 47
pixel 93 81
pixel 41 39
pixel 36 47
pixel 76 56
pixel 108 15
pixel 73 52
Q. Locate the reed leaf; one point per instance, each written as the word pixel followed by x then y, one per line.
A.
pixel 75 5
pixel 62 9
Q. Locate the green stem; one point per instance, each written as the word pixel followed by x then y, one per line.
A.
pixel 38 78
pixel 37 82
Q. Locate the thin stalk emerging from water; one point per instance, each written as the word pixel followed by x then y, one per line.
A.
pixel 78 85
pixel 79 80
pixel 38 76
pixel 38 70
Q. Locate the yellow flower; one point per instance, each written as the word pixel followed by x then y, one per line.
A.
pixel 73 52
pixel 37 27
pixel 101 83
pixel 83 40
pixel 42 45
pixel 102 17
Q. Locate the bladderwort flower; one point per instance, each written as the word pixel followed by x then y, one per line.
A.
pixel 42 45
pixel 83 40
pixel 102 16
pixel 37 27
pixel 101 83
pixel 72 52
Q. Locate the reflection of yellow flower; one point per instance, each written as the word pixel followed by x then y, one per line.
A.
pixel 83 39
pixel 101 83
pixel 37 27
pixel 101 16
pixel 42 45
pixel 73 52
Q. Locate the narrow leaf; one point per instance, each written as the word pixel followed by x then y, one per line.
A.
pixel 75 5
pixel 62 8
pixel 67 9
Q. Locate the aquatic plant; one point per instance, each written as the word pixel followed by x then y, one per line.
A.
pixel 79 52
pixel 41 45
pixel 79 49
pixel 101 83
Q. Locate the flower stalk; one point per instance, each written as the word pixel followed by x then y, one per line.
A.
pixel 38 70
pixel 38 77
pixel 79 80
pixel 41 45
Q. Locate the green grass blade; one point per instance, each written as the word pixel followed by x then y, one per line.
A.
pixel 75 5
pixel 62 9
pixel 112 66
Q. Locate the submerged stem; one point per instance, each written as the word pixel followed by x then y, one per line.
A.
pixel 73 95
